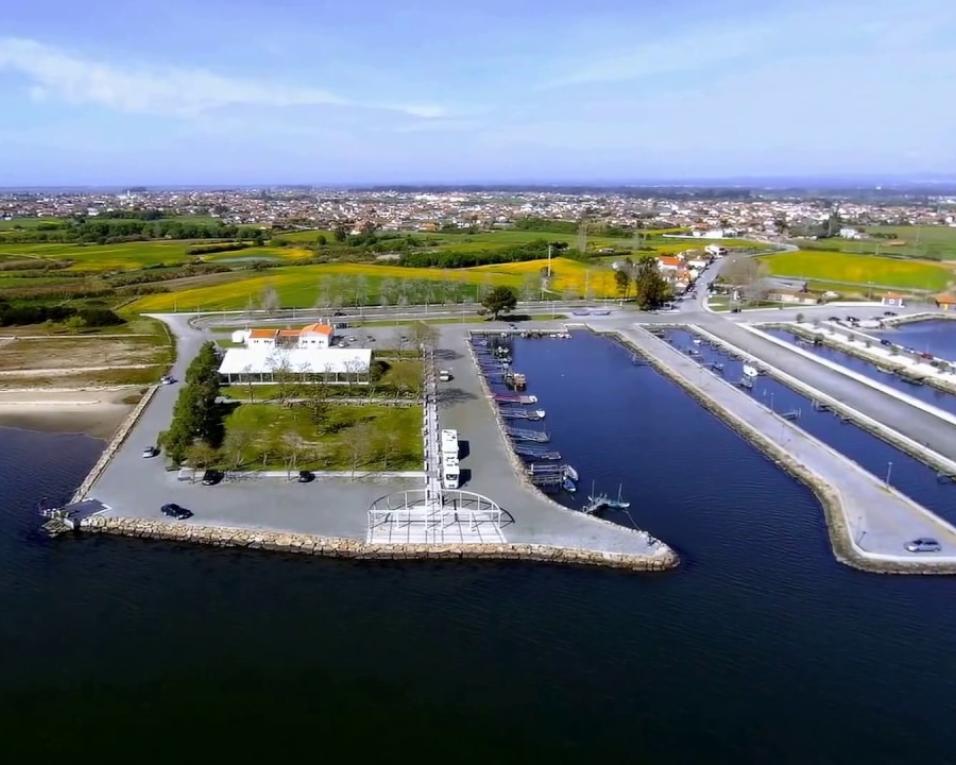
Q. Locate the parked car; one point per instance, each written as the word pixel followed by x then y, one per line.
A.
pixel 212 477
pixel 306 476
pixel 167 379
pixel 833 318
pixel 889 313
pixel 341 324
pixel 924 544
pixel 852 319
pixel 884 341
pixel 176 511
pixel 150 451
pixel 445 376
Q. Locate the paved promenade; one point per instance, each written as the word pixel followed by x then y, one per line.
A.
pixel 877 520
pixel 916 423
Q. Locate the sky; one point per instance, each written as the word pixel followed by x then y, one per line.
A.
pixel 282 91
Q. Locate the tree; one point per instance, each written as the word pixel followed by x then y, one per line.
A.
pixel 650 288
pixel 499 300
pixel 269 299
pixel 623 281
pixel 424 336
pixel 238 438
pixel 340 232
pixel 201 455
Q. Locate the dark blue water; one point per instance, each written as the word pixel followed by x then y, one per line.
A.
pixel 936 336
pixel 909 475
pixel 760 648
pixel 925 393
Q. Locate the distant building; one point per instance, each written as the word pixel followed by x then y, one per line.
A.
pixel 792 297
pixel 850 233
pixel 892 299
pixel 946 302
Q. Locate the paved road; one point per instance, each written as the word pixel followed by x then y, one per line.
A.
pixel 135 487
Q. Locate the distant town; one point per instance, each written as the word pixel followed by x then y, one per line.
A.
pixel 432 211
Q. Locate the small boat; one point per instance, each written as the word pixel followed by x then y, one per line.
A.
pixel 515 398
pixel 793 414
pixel 568 485
pixel 750 370
pixel 570 472
pixel 746 382
pixel 525 434
pixel 696 341
pixel 945 477
pixel 529 452
pixel 523 414
pixel 717 366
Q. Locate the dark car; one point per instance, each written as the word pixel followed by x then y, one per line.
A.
pixel 833 318
pixel 924 544
pixel 211 477
pixel 306 476
pixel 884 341
pixel 176 511
pixel 852 318
pixel 341 325
pixel 889 313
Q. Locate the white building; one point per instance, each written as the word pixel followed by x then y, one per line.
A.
pixel 263 364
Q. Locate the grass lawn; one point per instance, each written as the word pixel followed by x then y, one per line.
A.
pixel 850 269
pixel 353 438
pixel 931 242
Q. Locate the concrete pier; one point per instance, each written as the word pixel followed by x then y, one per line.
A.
pixel 869 522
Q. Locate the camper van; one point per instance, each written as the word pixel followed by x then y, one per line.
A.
pixel 450 472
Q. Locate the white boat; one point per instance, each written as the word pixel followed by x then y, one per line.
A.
pixel 751 371
pixel 570 472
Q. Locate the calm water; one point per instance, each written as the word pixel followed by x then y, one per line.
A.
pixel 925 393
pixel 906 473
pixel 760 648
pixel 937 336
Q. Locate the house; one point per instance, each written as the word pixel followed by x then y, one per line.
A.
pixel 669 263
pixel 316 336
pixel 262 338
pixel 892 299
pixel 946 302
pixel 336 366
pixel 791 296
pixel 850 233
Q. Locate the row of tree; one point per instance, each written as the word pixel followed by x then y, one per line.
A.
pixel 196 428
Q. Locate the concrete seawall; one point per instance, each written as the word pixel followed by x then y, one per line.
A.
pixel 337 547
pixel 835 505
pixel 895 438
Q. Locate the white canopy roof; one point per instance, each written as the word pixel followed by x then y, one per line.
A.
pixel 298 360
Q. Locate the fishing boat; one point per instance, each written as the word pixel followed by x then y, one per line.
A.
pixel 598 501
pixel 746 382
pixel 570 472
pixel 525 434
pixel 532 415
pixel 532 452
pixel 750 370
pixel 696 341
pixel 793 414
pixel 515 398
pixel 569 486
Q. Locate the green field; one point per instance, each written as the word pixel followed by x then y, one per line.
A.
pixel 929 242
pixel 353 437
pixel 860 270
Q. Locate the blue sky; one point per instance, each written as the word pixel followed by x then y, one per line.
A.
pixel 244 91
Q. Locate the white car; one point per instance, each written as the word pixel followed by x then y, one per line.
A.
pixel 150 451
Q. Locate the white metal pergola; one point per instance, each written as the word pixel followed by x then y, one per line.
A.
pixel 427 517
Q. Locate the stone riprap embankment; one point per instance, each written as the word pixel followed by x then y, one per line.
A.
pixel 117 440
pixel 337 547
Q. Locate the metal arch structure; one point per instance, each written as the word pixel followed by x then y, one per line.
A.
pixel 426 516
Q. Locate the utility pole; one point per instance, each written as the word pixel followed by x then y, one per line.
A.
pixel 549 260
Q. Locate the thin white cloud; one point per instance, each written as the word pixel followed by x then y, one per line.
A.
pixel 172 91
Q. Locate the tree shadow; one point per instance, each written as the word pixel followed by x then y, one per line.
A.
pixel 451 396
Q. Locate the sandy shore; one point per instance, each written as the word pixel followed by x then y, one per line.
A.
pixel 96 412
